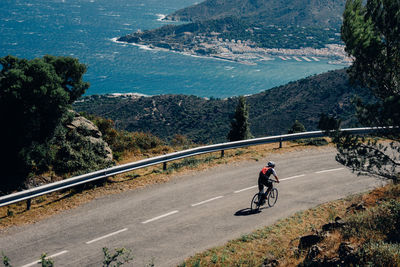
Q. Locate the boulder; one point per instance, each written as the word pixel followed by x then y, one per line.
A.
pixel 89 131
pixel 308 241
pixel 339 223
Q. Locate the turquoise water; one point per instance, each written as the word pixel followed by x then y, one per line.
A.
pixel 85 29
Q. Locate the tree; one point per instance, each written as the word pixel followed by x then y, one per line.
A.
pixel 240 127
pixel 34 97
pixel 327 122
pixel 371 33
pixel 297 127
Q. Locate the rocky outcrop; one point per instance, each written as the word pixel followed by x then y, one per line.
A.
pixel 90 132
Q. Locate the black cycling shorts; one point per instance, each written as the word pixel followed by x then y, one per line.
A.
pixel 262 182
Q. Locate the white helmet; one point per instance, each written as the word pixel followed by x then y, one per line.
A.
pixel 271 164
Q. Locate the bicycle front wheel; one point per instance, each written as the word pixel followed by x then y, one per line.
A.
pixel 255 205
pixel 272 197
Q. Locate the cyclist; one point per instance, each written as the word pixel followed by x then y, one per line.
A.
pixel 263 179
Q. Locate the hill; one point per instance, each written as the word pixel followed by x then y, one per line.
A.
pixel 208 120
pixel 229 29
pixel 322 13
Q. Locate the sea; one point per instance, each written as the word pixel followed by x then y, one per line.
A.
pixel 87 29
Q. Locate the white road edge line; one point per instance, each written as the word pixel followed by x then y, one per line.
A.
pixel 51 256
pixel 331 170
pixel 245 189
pixel 293 177
pixel 105 236
pixel 161 216
pixel 206 201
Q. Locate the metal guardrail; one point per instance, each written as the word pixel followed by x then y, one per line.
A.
pixel 101 174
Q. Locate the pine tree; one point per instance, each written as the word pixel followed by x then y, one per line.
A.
pixel 371 33
pixel 240 127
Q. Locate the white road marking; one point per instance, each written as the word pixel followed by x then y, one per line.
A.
pixel 331 170
pixel 161 216
pixel 248 188
pixel 51 256
pixel 284 179
pixel 315 59
pixel 293 177
pixel 206 201
pixel 105 236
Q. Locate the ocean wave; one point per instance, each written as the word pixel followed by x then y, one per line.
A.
pixel 127 95
pixel 161 17
pixel 144 47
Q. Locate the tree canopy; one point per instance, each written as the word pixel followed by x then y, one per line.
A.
pixel 34 96
pixel 371 32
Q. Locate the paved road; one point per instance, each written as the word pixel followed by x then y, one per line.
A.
pixel 172 221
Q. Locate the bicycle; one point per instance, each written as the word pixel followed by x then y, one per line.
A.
pixel 271 198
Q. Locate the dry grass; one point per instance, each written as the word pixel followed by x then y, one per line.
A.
pixel 48 205
pixel 280 241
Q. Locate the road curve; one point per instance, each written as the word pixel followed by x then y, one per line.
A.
pixel 169 222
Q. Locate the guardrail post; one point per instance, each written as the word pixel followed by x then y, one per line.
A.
pixel 164 166
pixel 280 142
pixel 28 204
pixel 222 153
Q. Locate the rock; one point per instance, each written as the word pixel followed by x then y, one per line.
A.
pixel 308 241
pixel 313 252
pixel 89 130
pixel 84 126
pixel 347 253
pixel 270 261
pixel 356 207
pixel 331 226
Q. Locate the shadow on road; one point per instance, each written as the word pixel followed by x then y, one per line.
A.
pixel 246 212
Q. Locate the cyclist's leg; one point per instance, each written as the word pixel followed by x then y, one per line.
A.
pixel 261 191
pixel 269 188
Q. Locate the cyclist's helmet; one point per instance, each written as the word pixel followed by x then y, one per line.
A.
pixel 271 164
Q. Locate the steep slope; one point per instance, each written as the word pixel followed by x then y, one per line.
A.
pixel 208 121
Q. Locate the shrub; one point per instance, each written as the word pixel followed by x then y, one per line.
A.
pixel 380 254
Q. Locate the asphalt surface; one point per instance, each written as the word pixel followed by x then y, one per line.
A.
pixel 167 223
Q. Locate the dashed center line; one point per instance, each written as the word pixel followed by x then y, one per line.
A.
pixel 293 177
pixel 51 256
pixel 245 189
pixel 105 236
pixel 206 201
pixel 331 170
pixel 161 216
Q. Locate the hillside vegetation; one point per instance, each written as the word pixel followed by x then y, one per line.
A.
pixel 208 120
pixel 324 13
pixel 257 23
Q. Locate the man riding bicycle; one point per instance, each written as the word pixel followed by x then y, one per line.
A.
pixel 263 179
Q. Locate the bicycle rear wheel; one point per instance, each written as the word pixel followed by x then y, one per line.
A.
pixel 272 197
pixel 255 205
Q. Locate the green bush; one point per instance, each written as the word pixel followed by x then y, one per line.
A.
pixel 381 220
pixel 380 254
pixel 123 141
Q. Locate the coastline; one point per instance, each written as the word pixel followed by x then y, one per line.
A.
pixel 246 52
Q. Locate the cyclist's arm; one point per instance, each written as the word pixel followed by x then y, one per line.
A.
pixel 276 176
